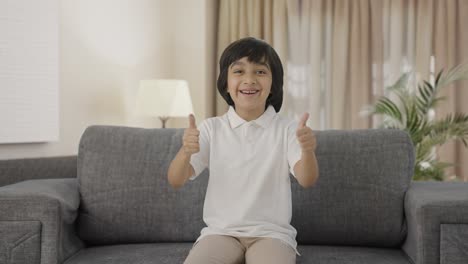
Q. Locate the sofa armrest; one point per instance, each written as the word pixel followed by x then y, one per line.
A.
pixel 37 221
pixel 437 217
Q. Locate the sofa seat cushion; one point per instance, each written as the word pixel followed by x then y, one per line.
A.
pixel 350 255
pixel 155 253
pixel 170 253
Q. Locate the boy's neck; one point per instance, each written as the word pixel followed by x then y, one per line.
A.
pixel 249 115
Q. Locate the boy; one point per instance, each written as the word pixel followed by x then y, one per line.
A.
pixel 250 151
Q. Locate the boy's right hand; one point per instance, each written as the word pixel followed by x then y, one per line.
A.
pixel 190 140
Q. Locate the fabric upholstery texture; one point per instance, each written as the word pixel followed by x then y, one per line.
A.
pixel 358 199
pixel 172 253
pixel 125 194
pixel 428 205
pixel 16 170
pixel 126 197
pixel 51 202
pixel 453 243
pixel 20 242
pixel 121 209
pixel 350 255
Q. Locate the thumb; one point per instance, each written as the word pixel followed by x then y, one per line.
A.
pixel 303 121
pixel 192 121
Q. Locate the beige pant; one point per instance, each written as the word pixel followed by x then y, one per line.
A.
pixel 220 249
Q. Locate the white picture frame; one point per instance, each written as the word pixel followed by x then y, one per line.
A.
pixel 29 71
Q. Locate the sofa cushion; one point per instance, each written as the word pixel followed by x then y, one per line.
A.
pixel 125 194
pixel 350 255
pixel 358 199
pixel 126 197
pixel 157 253
pixel 170 253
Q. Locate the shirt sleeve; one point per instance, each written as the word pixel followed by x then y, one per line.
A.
pixel 200 160
pixel 294 149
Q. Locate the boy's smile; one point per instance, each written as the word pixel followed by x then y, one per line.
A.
pixel 249 92
pixel 249 85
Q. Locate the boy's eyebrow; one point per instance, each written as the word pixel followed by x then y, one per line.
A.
pixel 263 64
pixel 240 63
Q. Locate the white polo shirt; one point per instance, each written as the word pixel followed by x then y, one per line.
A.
pixel 249 189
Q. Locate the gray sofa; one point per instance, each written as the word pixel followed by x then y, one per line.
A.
pixel 112 204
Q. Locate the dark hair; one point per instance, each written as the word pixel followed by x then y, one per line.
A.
pixel 256 51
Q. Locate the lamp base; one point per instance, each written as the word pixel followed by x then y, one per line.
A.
pixel 163 120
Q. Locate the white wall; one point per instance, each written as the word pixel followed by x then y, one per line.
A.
pixel 107 46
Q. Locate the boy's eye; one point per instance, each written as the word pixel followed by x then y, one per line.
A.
pixel 237 71
pixel 261 72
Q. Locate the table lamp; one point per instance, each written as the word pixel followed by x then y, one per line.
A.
pixel 164 99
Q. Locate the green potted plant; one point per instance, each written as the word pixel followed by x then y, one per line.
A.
pixel 411 108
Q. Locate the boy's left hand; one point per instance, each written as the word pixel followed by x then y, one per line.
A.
pixel 305 136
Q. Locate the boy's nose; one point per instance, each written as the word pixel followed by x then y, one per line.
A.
pixel 250 80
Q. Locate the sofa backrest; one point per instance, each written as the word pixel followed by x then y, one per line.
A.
pixel 22 169
pixel 126 197
pixel 359 197
pixel 125 194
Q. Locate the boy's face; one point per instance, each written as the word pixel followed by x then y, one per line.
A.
pixel 249 85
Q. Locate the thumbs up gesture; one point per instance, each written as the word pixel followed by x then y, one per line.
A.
pixel 305 136
pixel 190 139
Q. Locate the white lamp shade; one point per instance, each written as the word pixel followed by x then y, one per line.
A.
pixel 170 98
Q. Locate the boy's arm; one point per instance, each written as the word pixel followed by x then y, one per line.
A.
pixel 306 169
pixel 180 168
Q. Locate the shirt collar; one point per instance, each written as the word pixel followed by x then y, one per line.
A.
pixel 235 120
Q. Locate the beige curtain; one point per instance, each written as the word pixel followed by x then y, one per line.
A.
pixel 450 48
pixel 339 55
pixel 343 53
pixel 264 19
pixel 350 50
pixel 329 67
pixel 427 36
